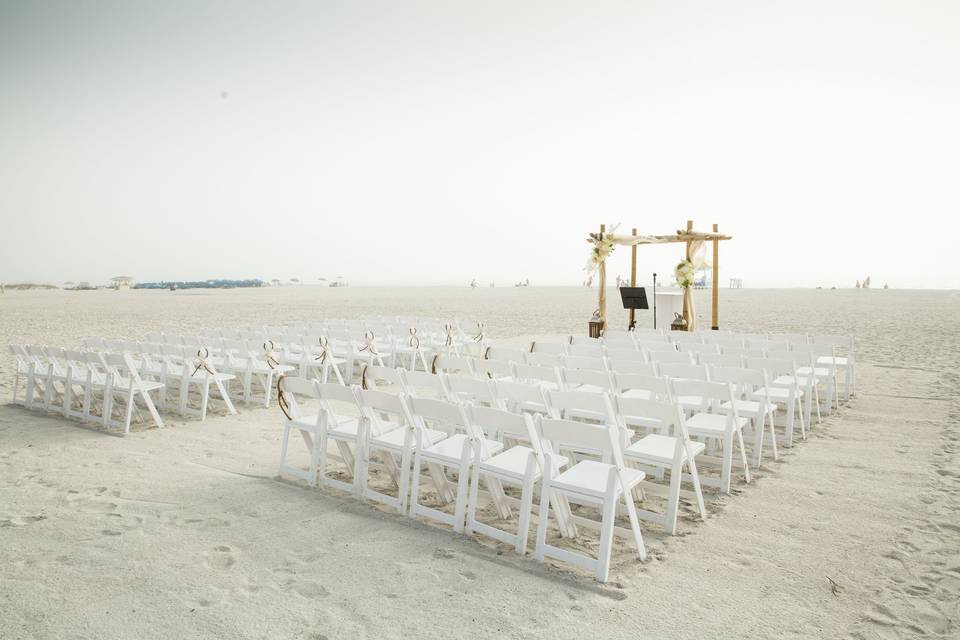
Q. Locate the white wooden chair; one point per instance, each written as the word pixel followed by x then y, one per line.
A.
pixel 423 384
pixel 718 427
pixel 291 391
pixel 670 357
pixel 520 465
pixel 374 377
pixel 633 366
pixel 586 380
pixel 544 359
pixel 584 362
pixel 22 373
pixel 478 391
pixel 536 374
pixel 669 449
pixel 523 397
pixel 444 363
pixel 493 369
pixel 458 452
pixel 390 437
pixel 636 385
pixel 124 384
pixel 761 412
pixel 790 396
pixel 341 424
pixel 198 372
pixel 842 357
pixel 600 483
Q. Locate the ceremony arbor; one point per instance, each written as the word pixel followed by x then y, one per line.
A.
pixel 604 243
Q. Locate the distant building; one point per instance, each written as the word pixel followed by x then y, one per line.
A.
pixel 121 282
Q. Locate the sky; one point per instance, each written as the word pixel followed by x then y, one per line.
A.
pixel 421 143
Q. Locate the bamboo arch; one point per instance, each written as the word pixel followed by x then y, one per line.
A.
pixel 692 240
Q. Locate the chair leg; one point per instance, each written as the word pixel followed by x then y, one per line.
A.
pixel 463 480
pixel 415 485
pixel 743 456
pixel 673 504
pixel 472 500
pixel 727 466
pixel 526 504
pixel 606 538
pixel 542 523
pixel 773 435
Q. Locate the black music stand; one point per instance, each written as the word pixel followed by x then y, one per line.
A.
pixel 634 298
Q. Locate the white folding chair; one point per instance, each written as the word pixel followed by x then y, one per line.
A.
pixel 458 452
pixel 124 383
pixel 423 384
pixel 523 397
pixel 519 465
pixel 290 391
pixel 761 412
pixel 478 391
pixel 842 357
pixel 666 450
pixel 604 484
pixel 536 374
pixel 586 380
pixel 390 437
pixel 716 426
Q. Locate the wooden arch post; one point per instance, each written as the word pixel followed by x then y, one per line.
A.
pixel 715 313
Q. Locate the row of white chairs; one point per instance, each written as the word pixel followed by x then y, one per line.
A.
pixel 797 391
pixel 832 349
pixel 598 462
pixel 61 380
pixel 94 387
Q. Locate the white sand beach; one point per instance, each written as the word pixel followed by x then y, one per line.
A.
pixel 189 532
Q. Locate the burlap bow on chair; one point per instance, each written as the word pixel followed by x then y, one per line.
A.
pixel 202 354
pixel 272 361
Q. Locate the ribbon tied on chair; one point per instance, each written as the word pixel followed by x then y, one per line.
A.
pixel 480 337
pixel 324 349
pixel 370 343
pixel 282 399
pixel 414 341
pixel 271 359
pixel 202 354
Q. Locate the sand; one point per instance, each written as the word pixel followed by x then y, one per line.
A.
pixel 188 532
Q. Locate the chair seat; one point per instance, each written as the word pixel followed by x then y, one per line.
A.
pixel 660 449
pixel 512 463
pixel 752 407
pixel 820 372
pixel 589 477
pixel 588 388
pixel 643 394
pixel 712 424
pixel 203 375
pixel 123 384
pixel 693 402
pixel 450 450
pixel 801 381
pixel 777 394
pixel 839 361
pixel 346 430
pixel 394 439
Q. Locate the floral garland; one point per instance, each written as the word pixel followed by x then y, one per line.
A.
pixel 602 247
pixel 684 274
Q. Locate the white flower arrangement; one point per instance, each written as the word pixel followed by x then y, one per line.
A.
pixel 602 247
pixel 684 274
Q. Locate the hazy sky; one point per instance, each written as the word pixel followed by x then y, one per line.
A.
pixel 414 142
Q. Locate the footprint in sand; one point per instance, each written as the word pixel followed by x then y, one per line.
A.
pixel 20 521
pixel 305 588
pixel 222 557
